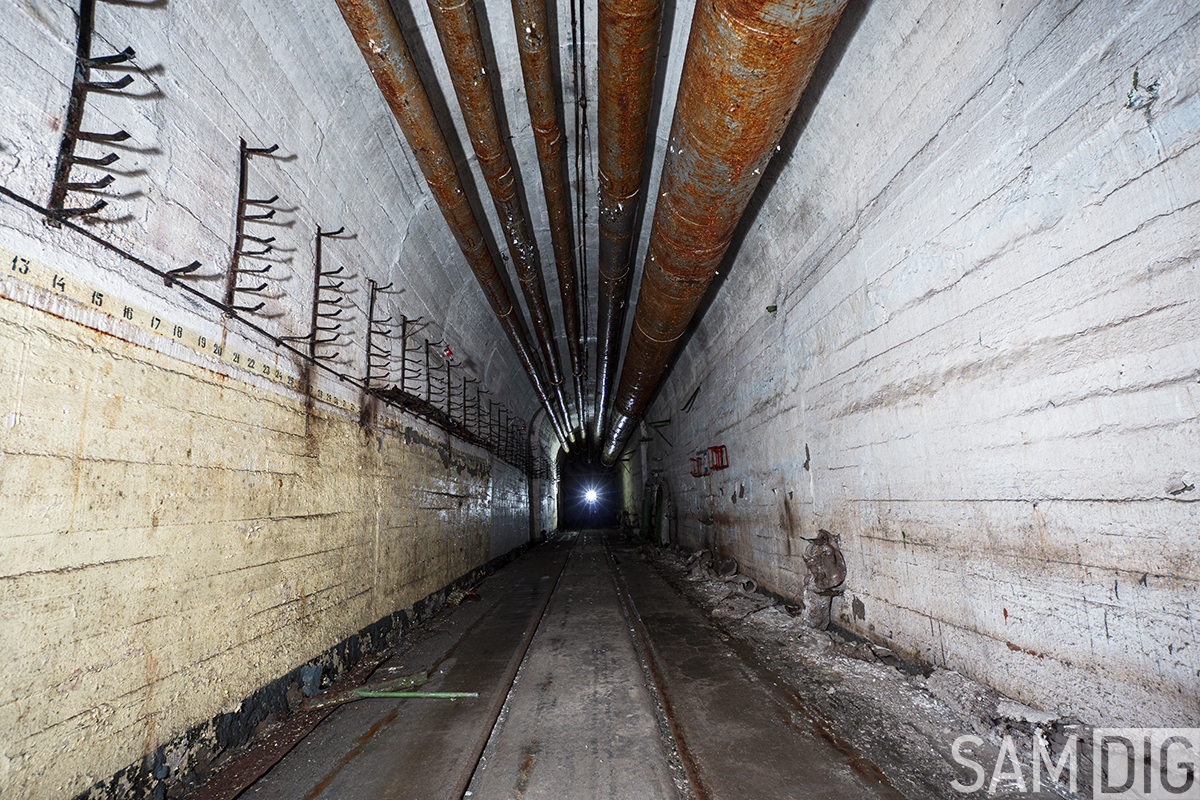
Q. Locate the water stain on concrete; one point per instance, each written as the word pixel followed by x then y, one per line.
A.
pixel 787 523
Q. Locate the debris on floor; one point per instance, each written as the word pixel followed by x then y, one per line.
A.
pixel 457 596
pixel 826 567
pixel 371 689
pixel 826 572
pixel 902 716
pixel 392 687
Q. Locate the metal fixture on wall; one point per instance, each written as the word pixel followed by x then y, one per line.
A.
pixel 378 35
pixel 429 370
pixel 747 64
pixel 326 304
pixel 240 237
pixel 81 85
pixel 187 272
pixel 629 33
pixel 378 358
pixel 403 360
pixel 462 45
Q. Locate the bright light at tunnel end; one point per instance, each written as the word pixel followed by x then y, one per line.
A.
pixel 591 496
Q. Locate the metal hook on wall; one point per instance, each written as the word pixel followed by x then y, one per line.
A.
pixel 321 303
pixel 241 236
pixel 81 84
pixel 180 272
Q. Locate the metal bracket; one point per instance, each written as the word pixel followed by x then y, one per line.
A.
pixel 81 84
pixel 241 237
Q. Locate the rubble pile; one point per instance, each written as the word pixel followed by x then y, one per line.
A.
pixel 903 716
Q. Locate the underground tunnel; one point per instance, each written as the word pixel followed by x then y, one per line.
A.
pixel 599 399
pixel 588 497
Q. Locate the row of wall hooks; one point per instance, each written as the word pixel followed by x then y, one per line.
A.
pixel 248 211
pixel 378 359
pixel 326 328
pixel 82 84
pixel 448 400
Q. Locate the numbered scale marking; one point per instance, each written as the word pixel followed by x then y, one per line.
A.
pixel 42 276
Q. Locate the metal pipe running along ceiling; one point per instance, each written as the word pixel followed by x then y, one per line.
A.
pixel 462 46
pixel 629 33
pixel 533 42
pixel 747 63
pixel 375 29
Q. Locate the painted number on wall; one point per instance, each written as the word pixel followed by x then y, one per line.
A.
pixel 35 273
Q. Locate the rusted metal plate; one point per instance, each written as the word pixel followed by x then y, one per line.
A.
pixel 747 64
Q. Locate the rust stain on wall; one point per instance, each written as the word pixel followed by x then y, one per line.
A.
pixel 288 523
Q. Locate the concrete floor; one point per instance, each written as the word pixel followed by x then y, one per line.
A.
pixel 584 717
pixel 580 721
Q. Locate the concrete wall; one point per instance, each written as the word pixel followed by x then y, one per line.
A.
pixel 176 538
pixel 632 480
pixel 544 488
pixel 983 373
pixel 547 504
pixel 183 525
pixel 510 508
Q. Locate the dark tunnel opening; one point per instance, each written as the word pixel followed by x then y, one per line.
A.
pixel 589 496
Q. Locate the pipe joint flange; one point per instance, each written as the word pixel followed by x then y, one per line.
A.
pixel 550 128
pixel 781 30
pixel 444 7
pixel 637 324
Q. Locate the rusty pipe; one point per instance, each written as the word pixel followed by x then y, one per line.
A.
pixel 378 35
pixel 533 40
pixel 746 65
pixel 629 32
pixel 462 45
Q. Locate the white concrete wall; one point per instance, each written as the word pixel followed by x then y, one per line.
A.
pixel 547 504
pixel 178 529
pixel 984 371
pixel 510 508
pixel 212 73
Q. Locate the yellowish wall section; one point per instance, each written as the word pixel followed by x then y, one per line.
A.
pixel 174 539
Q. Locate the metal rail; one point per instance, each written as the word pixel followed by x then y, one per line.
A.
pixel 642 638
pixel 510 676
